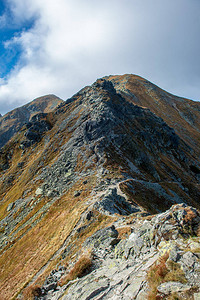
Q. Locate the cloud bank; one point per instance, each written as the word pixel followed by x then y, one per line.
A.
pixel 71 43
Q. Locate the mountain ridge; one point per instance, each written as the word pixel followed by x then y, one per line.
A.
pixel 98 160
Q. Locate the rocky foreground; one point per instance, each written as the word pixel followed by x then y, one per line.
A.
pixel 138 257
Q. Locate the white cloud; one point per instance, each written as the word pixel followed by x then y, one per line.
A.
pixel 2 20
pixel 73 42
pixel 54 50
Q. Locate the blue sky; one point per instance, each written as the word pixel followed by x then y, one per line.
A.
pixel 60 46
pixel 10 28
pixel 10 57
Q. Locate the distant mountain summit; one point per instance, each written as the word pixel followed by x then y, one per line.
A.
pixel 13 121
pixel 99 198
pixel 179 113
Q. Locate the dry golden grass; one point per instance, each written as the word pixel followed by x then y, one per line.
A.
pixel 28 254
pixel 76 244
pixel 169 107
pixel 198 230
pixel 81 267
pixel 143 196
pixel 31 292
pixel 32 251
pixel 175 272
pixel 124 232
pixel 161 272
pixel 156 275
pixel 190 215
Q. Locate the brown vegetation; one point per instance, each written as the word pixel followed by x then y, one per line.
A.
pixel 124 232
pixel 162 272
pixel 31 292
pixel 81 267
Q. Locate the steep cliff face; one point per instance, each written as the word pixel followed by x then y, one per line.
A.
pixel 13 121
pixel 107 156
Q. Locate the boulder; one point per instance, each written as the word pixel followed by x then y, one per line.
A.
pixel 102 238
pixel 50 286
pixel 10 206
pixel 113 203
pixel 179 220
pixel 170 287
pixel 188 260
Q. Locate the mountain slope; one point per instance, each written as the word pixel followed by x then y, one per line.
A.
pixel 99 159
pixel 179 113
pixel 14 120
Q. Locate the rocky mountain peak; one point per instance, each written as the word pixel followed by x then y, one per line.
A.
pixel 13 121
pixel 99 193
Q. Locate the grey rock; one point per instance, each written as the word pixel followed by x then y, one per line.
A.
pixel 116 279
pixel 120 267
pixel 174 254
pixel 62 269
pixel 52 193
pixel 93 290
pixel 50 286
pixel 137 244
pixel 100 116
pixel 39 191
pixel 188 260
pixel 196 296
pixel 112 203
pixel 103 238
pixel 172 287
pixel 57 275
pixel 179 220
pixel 120 249
pixel 190 264
pixel 10 206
